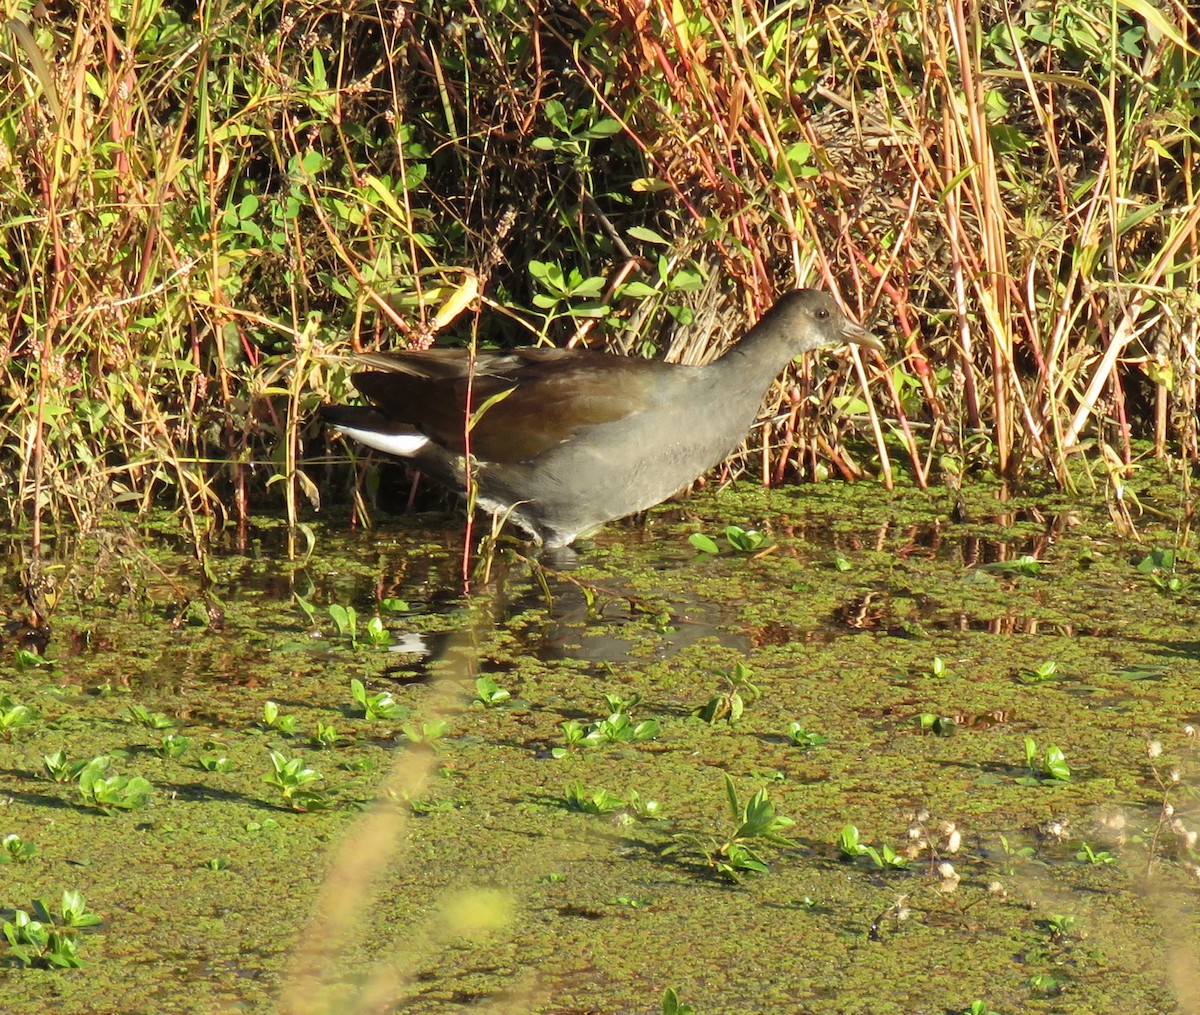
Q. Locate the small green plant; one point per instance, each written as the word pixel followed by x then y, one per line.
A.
pixel 39 944
pixel 730 703
pixel 618 705
pixel 294 781
pixel 577 128
pixel 1052 767
pixel 564 287
pixel 756 821
pixel 74 911
pixel 618 728
pixel 174 745
pixel 142 716
pixel 1039 674
pixel 841 562
pixel 488 693
pixel 734 859
pixel 326 735
pixel 1159 566
pixel 577 735
pixel 60 769
pixel 111 793
pixel 644 810
pixel 938 725
pixel 216 764
pixel 13 716
pixel 802 738
pixel 427 733
pixel 27 660
pixel 309 610
pixel 739 539
pixel 1013 853
pixel 1046 985
pixel 345 619
pixel 744 540
pixel 273 720
pixel 1026 565
pixel 423 805
pixel 937 668
pixel 1088 855
pixel 38 940
pixel 375 706
pixel 598 802
pixel 377 634
pixel 671 1005
pixel 673 277
pixel 216 863
pixel 978 1008
pixel 851 846
pixel 1059 926
pixel 14 849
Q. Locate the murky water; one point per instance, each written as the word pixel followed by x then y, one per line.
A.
pixel 508 864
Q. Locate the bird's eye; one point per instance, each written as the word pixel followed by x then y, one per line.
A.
pixel 822 314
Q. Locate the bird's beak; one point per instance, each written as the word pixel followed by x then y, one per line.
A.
pixel 858 335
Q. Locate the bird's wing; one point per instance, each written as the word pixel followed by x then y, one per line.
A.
pixel 548 395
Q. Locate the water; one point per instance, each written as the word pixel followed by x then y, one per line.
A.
pixel 438 871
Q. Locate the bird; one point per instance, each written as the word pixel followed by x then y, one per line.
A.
pixel 562 441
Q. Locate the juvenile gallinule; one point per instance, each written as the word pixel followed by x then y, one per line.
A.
pixel 580 437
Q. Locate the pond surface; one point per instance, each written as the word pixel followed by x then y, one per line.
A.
pixel 978 698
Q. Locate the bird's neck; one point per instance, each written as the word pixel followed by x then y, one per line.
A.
pixel 755 361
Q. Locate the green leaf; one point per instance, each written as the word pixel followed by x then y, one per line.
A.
pixel 1030 752
pixel 1157 22
pixel 477 415
pixel 731 795
pixel 744 540
pixel 319 79
pixel 848 841
pixel 556 114
pixel 415 176
pixel 648 185
pixel 686 280
pixel 588 287
pixel 647 235
pixel 1056 764
pixel 638 290
pixel 342 617
pixel 605 128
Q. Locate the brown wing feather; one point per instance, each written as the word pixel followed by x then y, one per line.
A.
pixel 554 393
pixel 439 364
pixel 443 364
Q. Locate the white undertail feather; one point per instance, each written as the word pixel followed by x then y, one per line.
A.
pixel 403 445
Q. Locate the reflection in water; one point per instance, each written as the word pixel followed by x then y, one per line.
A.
pixel 605 622
pixel 596 623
